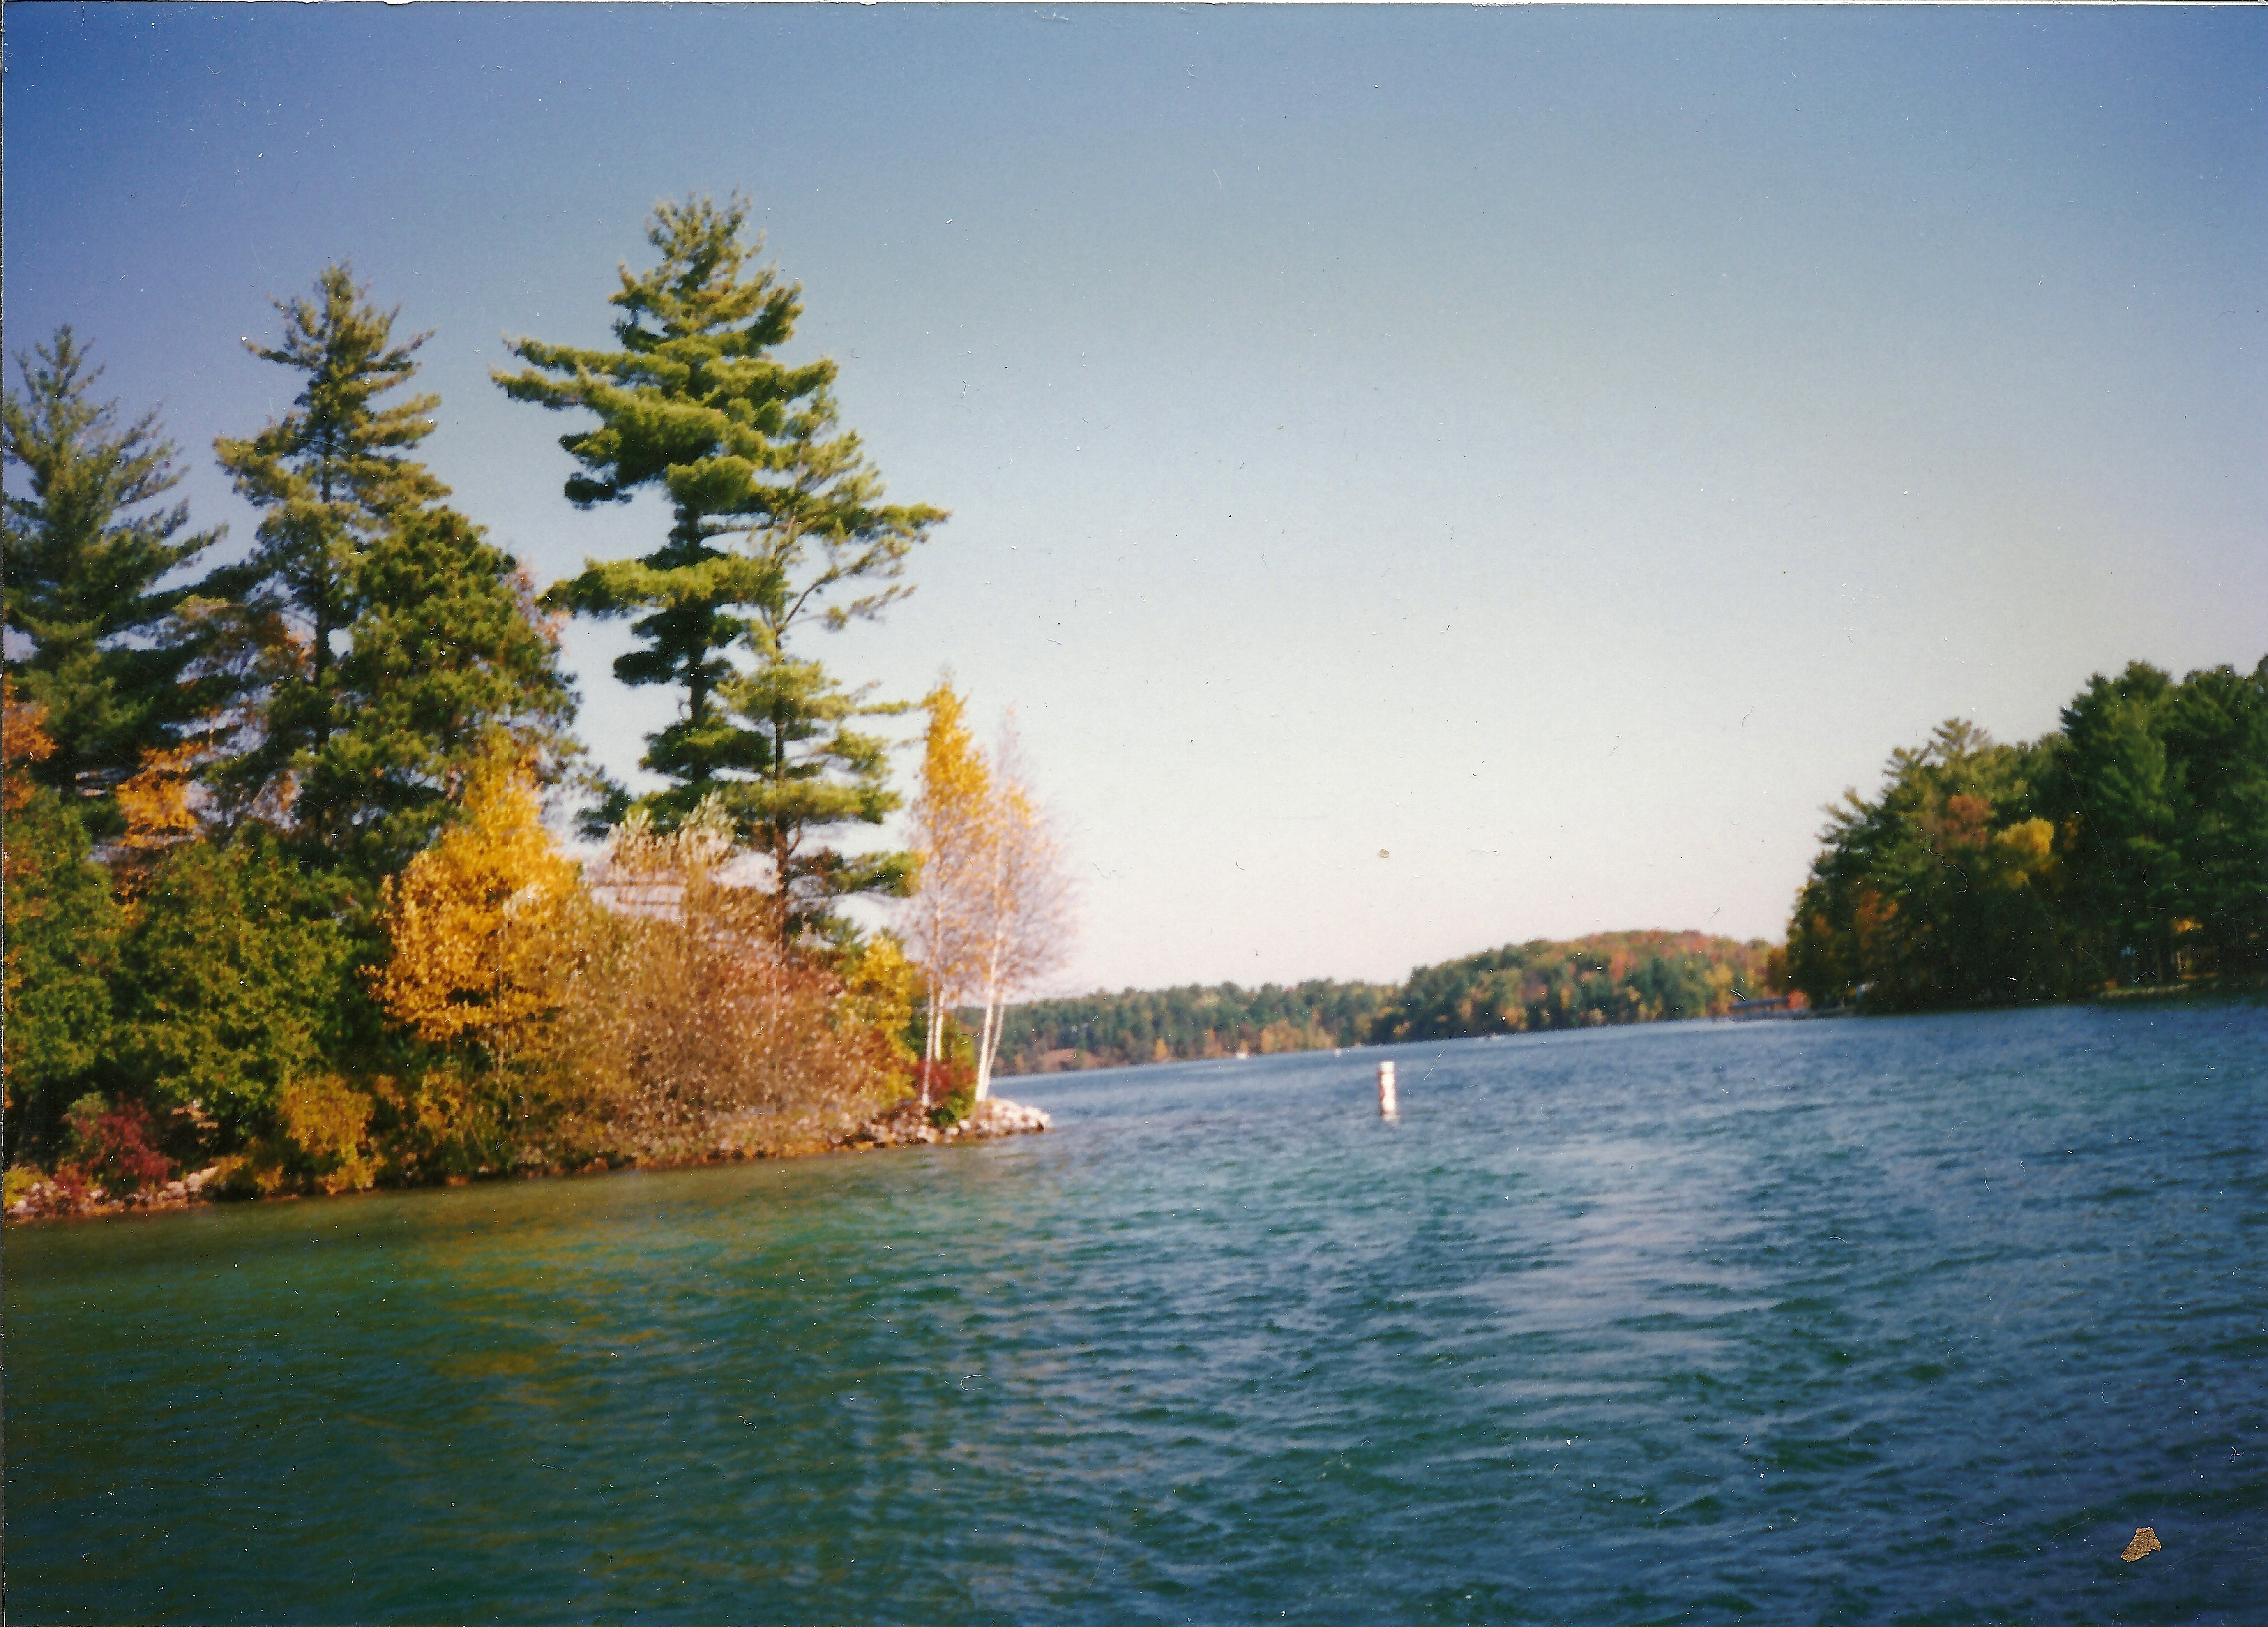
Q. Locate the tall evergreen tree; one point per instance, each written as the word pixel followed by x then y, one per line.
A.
pixel 2129 848
pixel 778 518
pixel 446 653
pixel 423 641
pixel 2216 732
pixel 83 575
pixel 2119 794
pixel 331 474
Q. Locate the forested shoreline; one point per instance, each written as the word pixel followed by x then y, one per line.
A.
pixel 2127 848
pixel 1535 987
pixel 283 911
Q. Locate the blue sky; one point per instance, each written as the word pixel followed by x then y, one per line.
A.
pixel 1558 448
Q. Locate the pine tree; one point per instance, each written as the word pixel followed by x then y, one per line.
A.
pixel 778 517
pixel 331 475
pixel 423 643
pixel 815 775
pixel 446 658
pixel 2216 732
pixel 2116 792
pixel 106 663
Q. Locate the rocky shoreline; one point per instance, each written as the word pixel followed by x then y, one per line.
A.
pixel 62 1200
pixel 992 1117
pixel 990 1120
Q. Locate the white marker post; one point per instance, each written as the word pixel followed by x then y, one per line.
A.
pixel 1386 1104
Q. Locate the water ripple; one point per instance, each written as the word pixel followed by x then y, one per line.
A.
pixel 1900 1320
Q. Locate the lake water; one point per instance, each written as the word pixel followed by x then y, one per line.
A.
pixel 1906 1319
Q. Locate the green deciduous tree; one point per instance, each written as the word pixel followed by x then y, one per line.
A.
pixel 61 929
pixel 778 520
pixel 1137 1026
pixel 1610 977
pixel 233 982
pixel 83 573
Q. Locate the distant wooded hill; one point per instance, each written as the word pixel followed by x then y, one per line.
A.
pixel 1613 977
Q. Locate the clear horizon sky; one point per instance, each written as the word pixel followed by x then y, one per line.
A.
pixel 1424 478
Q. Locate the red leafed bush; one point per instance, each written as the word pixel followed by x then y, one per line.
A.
pixel 934 1081
pixel 947 1089
pixel 116 1148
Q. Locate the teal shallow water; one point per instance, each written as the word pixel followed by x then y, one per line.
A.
pixel 1908 1320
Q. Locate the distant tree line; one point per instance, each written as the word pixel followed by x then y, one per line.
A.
pixel 1103 1030
pixel 1613 977
pixel 2128 847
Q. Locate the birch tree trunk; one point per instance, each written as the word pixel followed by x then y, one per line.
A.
pixel 1002 923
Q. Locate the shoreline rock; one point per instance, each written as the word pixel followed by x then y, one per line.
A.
pixel 991 1118
pixel 56 1200
pixel 994 1117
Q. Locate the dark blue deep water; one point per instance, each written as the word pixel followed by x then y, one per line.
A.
pixel 1890 1320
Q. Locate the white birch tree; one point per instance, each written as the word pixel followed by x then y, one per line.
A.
pixel 950 829
pixel 991 913
pixel 1023 901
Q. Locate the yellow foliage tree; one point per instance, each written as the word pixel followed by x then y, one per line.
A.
pixel 646 1012
pixel 991 909
pixel 1022 897
pixel 2026 851
pixel 158 802
pixel 475 922
pixel 24 739
pixel 951 827
pixel 877 1003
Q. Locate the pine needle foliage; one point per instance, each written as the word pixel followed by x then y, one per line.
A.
pixel 778 520
pixel 84 578
pixel 335 470
pixel 417 640
pixel 329 476
pixel 2128 848
pixel 449 662
pixel 817 774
